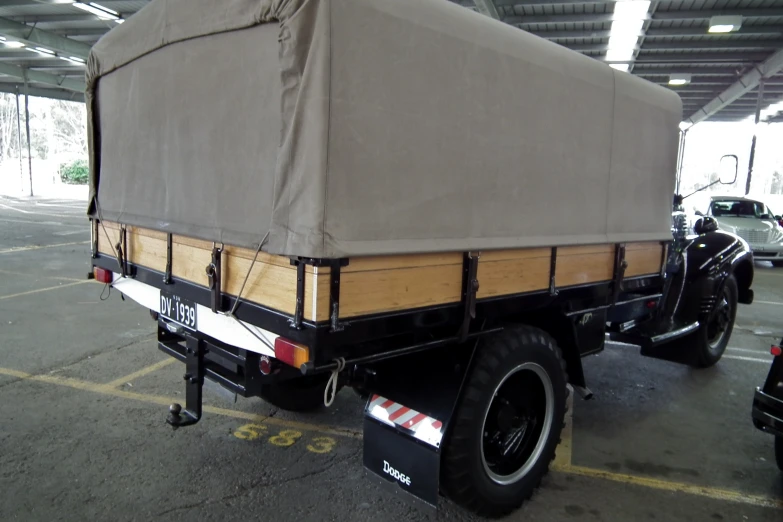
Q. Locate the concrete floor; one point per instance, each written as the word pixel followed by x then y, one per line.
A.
pixel 83 392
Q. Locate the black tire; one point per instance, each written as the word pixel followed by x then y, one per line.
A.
pixel 712 338
pixel 779 452
pixel 777 264
pixel 299 394
pixel 473 473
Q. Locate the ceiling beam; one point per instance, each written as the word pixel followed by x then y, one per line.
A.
pixel 659 15
pixel 41 77
pixel 653 33
pixel 709 13
pixel 718 72
pixel 713 45
pixel 747 83
pixel 724 58
pixel 39 38
pixel 487 8
pixel 55 94
pixel 761 30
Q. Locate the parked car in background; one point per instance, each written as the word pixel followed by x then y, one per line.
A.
pixel 753 221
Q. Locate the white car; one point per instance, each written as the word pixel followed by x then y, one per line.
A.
pixel 753 221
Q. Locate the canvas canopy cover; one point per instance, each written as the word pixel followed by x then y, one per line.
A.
pixel 358 127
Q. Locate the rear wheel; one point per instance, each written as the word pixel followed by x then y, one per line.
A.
pixel 508 422
pixel 779 452
pixel 299 394
pixel 712 338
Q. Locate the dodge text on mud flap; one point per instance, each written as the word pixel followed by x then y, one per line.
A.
pixel 396 474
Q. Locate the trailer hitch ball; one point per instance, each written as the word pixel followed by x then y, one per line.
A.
pixel 174 418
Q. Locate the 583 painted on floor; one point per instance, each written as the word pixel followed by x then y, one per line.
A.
pixel 285 438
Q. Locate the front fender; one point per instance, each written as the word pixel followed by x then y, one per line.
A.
pixel 709 259
pixel 715 252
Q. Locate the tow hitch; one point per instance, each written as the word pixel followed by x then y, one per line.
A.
pixel 194 382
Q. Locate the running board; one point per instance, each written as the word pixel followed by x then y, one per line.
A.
pixel 652 340
pixel 663 338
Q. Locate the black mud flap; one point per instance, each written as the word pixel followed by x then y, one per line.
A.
pixel 402 448
pixel 406 419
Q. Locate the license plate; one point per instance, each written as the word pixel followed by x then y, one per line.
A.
pixel 178 310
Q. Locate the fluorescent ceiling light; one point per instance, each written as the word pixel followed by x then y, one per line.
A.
pixel 619 55
pixel 99 11
pixel 620 66
pixel 621 28
pixel 103 8
pixel 72 59
pixel 13 44
pixel 679 79
pixel 631 10
pixel 724 24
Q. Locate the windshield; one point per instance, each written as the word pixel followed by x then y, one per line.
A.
pixel 740 208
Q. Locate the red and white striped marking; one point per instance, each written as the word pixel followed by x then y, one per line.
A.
pixel 424 427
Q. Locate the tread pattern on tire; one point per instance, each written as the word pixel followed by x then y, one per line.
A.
pixel 456 476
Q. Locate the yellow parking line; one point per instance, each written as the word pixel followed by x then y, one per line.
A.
pixel 105 389
pixel 141 373
pixel 65 285
pixel 26 249
pixel 663 485
pixel 11 272
pixel 675 487
pixel 563 452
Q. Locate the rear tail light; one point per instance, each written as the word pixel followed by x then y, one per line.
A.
pixel 776 351
pixel 102 275
pixel 291 353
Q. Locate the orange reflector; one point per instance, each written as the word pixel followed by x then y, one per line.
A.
pixel 291 353
pixel 776 351
pixel 102 275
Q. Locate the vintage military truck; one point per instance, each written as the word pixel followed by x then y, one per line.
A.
pixel 436 209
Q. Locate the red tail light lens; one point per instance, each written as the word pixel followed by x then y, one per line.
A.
pixel 291 353
pixel 102 275
pixel 776 351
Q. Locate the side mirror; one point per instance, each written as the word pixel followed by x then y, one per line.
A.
pixel 704 225
pixel 765 216
pixel 728 169
pixel 778 218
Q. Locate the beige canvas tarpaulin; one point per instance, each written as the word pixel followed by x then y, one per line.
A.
pixel 362 127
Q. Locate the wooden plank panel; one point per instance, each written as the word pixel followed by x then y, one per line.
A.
pixel 513 276
pixel 317 304
pixel 584 268
pixel 519 253
pixel 584 249
pixel 387 290
pixel 365 264
pixel 268 285
pixel 644 261
pixel 147 251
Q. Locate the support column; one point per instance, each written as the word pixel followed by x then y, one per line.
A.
pixel 680 159
pixel 19 137
pixel 27 126
pixel 759 101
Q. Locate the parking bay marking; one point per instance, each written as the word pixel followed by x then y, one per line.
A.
pixel 29 292
pixel 39 247
pixel 104 389
pixel 141 373
pixel 677 487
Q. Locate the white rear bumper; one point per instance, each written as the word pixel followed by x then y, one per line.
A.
pixel 216 326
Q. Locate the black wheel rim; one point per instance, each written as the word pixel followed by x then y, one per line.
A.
pixel 719 323
pixel 517 423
